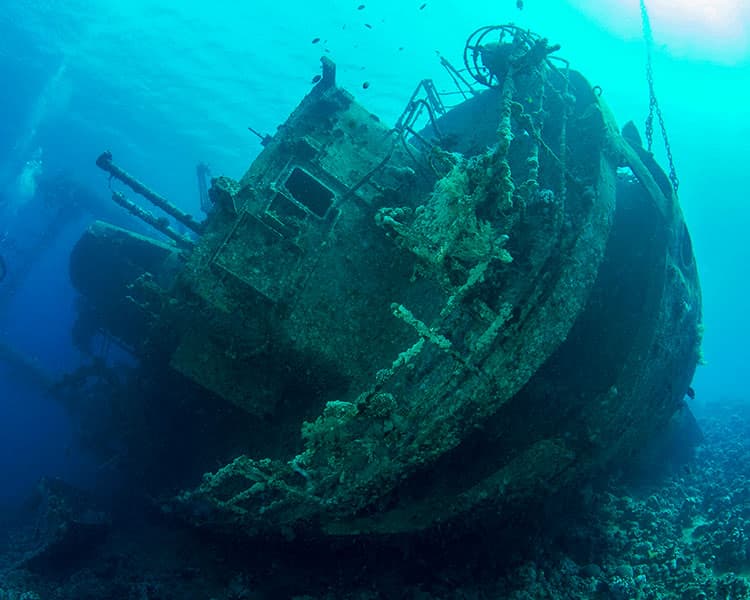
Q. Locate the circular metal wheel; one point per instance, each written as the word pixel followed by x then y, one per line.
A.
pixel 510 35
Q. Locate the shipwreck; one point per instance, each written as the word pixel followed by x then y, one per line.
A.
pixel 480 305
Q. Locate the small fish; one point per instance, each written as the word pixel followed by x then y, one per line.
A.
pixel 365 85
pixel 423 5
pixel 315 40
pixel 519 4
pixel 361 7
pixel 690 393
pixel 3 268
pixel 317 78
pixel 368 26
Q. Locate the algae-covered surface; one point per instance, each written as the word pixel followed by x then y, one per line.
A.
pixel 445 351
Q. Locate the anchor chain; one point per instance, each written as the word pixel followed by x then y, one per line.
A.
pixel 653 104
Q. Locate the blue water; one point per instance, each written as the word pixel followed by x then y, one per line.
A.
pixel 167 85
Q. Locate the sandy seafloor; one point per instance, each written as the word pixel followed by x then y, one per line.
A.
pixel 679 531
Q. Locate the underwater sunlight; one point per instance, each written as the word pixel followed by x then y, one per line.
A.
pixel 715 31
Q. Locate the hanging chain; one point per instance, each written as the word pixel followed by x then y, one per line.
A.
pixel 648 37
pixel 653 103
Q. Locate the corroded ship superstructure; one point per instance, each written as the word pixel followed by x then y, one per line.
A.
pixel 478 306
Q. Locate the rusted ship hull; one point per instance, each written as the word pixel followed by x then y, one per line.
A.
pixel 458 317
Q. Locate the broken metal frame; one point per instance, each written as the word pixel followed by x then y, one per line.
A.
pixel 425 98
pixel 431 101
